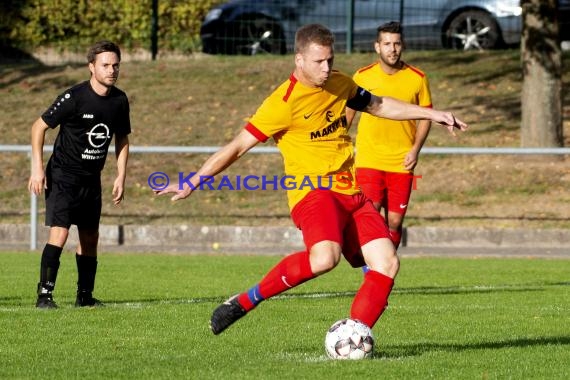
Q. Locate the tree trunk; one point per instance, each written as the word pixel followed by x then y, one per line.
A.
pixel 541 55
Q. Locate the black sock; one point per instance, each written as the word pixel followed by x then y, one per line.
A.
pixel 86 271
pixel 48 269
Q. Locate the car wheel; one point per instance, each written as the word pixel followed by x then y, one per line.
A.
pixel 473 30
pixel 259 36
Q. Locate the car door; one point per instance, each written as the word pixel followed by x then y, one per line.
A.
pixel 422 21
pixel 335 15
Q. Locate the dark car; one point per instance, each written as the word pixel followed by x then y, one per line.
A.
pixel 564 19
pixel 254 26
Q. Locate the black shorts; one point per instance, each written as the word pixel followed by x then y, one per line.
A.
pixel 71 203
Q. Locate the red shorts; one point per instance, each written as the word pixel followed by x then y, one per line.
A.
pixel 389 189
pixel 350 220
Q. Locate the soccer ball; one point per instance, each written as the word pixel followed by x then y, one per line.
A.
pixel 349 339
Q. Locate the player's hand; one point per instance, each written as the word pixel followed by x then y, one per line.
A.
pixel 118 191
pixel 451 123
pixel 37 183
pixel 411 160
pixel 175 189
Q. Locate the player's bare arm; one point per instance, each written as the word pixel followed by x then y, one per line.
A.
pixel 350 114
pixel 395 109
pixel 122 154
pixel 37 181
pixel 214 165
pixel 422 130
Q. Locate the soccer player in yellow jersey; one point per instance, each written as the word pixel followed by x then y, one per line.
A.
pixel 306 117
pixel 388 150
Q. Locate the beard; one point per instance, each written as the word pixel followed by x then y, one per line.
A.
pixel 107 81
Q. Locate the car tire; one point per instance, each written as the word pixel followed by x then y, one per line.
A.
pixel 258 36
pixel 473 30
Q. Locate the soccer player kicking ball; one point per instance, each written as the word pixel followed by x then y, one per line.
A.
pixel 306 117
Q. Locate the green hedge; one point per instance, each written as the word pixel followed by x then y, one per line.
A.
pixel 74 24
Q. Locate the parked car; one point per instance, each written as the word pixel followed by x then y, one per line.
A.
pixel 564 19
pixel 255 26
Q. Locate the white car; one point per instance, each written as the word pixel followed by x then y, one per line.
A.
pixel 256 26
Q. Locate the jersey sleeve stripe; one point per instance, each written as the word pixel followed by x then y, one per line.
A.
pixel 256 132
pixel 416 70
pixel 366 68
pixel 292 83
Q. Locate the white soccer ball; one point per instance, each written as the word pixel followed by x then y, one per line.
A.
pixel 349 339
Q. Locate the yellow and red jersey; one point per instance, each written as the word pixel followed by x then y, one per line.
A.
pixel 310 129
pixel 382 144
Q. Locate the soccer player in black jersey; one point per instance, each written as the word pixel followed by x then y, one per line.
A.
pixel 89 114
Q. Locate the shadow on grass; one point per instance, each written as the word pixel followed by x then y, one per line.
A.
pixel 418 349
pixel 8 299
pixel 430 290
pixel 20 73
pixel 466 290
pixel 166 301
pixel 150 301
pixel 16 300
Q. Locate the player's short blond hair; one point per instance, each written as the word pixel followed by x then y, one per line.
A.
pixel 313 33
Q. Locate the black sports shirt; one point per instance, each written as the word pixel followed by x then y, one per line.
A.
pixel 87 123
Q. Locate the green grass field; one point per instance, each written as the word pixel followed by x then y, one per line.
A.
pixel 448 319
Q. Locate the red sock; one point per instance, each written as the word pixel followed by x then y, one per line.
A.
pixel 293 270
pixel 372 298
pixel 396 237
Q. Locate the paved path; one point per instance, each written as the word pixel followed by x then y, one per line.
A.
pixel 404 252
pixel 417 242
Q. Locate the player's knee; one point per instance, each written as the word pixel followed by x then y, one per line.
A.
pixel 323 264
pixel 392 265
pixel 395 221
pixel 389 268
pixel 380 256
pixel 324 256
pixel 58 236
pixel 88 240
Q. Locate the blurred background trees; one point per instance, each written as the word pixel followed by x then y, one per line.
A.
pixel 72 25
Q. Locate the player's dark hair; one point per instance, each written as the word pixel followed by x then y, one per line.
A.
pixel 313 33
pixel 391 27
pixel 102 47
